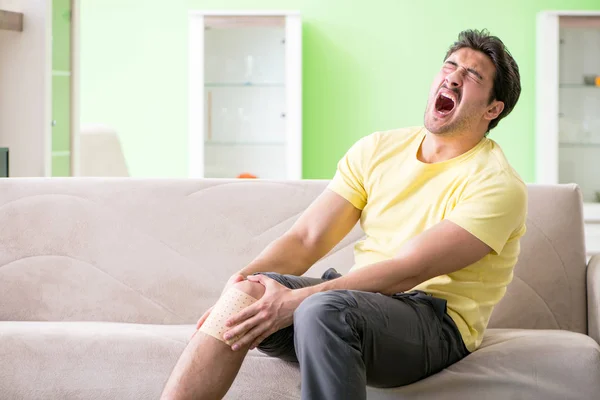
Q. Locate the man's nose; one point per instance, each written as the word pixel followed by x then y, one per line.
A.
pixel 455 79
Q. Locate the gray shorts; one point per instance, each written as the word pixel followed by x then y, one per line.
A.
pixel 403 338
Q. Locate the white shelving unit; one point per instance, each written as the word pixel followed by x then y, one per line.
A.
pixel 245 94
pixel 568 108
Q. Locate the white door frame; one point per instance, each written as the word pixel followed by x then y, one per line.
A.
pixel 196 94
pixel 75 84
pixel 47 133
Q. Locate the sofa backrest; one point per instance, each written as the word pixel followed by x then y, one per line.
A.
pixel 548 290
pixel 159 250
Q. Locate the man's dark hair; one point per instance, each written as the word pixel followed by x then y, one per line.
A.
pixel 507 80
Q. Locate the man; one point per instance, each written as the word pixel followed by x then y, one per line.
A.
pixel 443 213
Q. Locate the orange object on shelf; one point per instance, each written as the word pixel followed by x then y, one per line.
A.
pixel 598 81
pixel 246 175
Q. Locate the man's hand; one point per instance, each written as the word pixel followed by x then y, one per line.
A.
pixel 233 280
pixel 274 311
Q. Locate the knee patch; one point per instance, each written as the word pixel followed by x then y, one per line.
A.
pixel 231 302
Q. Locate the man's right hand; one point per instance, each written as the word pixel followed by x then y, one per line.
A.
pixel 233 280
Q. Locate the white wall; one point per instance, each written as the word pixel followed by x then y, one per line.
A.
pixel 25 63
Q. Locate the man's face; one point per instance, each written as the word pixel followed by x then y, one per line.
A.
pixel 459 96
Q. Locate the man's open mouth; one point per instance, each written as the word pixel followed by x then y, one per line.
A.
pixel 445 103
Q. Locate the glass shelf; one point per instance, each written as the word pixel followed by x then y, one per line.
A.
pixel 243 84
pixel 577 85
pixel 578 98
pixel 578 144
pixel 232 143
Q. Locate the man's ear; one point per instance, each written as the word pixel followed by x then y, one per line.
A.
pixel 494 110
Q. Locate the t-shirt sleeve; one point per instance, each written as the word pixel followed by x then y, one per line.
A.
pixel 492 209
pixel 349 179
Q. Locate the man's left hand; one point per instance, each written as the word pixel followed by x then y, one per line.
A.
pixel 274 311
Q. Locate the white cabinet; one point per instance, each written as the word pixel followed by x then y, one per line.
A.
pixel 245 98
pixel 568 108
pixel 592 235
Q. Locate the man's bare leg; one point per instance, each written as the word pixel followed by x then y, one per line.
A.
pixel 207 367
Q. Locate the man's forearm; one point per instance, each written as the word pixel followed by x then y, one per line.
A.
pixel 286 255
pixel 386 277
pixel 441 250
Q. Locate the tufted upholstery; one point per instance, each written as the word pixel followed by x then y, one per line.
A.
pixel 156 252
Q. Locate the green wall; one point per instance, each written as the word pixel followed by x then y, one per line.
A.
pixel 367 66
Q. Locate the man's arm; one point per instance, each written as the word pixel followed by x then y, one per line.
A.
pixel 442 249
pixel 323 225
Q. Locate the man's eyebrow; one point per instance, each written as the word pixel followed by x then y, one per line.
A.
pixel 471 70
pixel 474 72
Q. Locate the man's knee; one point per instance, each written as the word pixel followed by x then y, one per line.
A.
pixel 325 308
pixel 253 289
pixel 239 296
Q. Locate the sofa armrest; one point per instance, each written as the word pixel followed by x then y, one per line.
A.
pixel 593 297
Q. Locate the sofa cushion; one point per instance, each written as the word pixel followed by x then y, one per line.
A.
pixel 95 360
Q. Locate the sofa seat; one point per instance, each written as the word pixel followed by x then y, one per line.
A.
pixel 105 360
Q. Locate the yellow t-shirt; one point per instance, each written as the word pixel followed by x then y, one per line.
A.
pixel 401 197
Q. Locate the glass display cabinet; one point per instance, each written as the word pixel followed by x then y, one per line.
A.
pixel 568 108
pixel 245 117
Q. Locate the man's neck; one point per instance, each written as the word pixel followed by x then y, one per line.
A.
pixel 438 148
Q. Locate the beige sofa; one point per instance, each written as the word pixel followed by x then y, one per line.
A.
pixel 102 280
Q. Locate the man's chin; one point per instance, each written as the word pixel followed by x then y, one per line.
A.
pixel 436 126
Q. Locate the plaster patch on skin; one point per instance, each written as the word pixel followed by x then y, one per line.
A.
pixel 230 303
